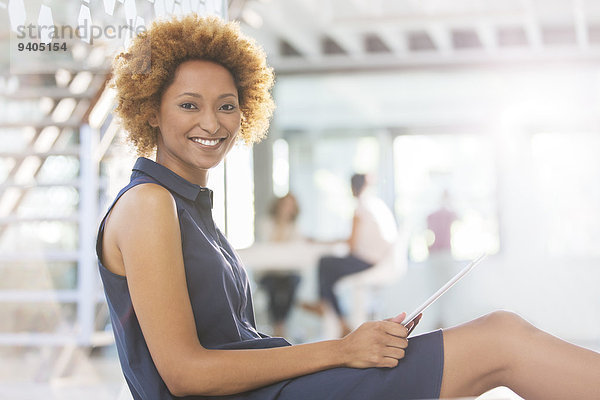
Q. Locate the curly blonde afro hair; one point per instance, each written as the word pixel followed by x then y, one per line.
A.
pixel 143 72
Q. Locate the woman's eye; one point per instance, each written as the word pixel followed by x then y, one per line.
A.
pixel 188 106
pixel 227 107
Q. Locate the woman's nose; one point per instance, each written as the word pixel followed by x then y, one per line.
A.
pixel 209 122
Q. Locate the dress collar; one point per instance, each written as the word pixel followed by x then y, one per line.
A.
pixel 171 180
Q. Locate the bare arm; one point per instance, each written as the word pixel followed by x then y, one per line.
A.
pixel 146 233
pixel 352 238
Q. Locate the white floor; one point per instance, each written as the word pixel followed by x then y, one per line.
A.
pixel 33 374
pixel 29 374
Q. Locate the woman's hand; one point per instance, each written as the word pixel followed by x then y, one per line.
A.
pixel 376 344
pixel 413 324
pixel 411 327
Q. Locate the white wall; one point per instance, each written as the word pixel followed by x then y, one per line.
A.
pixel 487 96
pixel 510 104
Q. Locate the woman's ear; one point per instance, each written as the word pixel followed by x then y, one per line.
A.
pixel 153 121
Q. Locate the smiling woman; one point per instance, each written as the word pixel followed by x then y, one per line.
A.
pixel 147 69
pixel 178 294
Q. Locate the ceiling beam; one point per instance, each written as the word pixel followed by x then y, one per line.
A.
pixel 433 60
pixel 394 39
pixel 581 26
pixel 350 40
pixel 532 26
pixel 441 38
pixel 299 33
pixel 488 37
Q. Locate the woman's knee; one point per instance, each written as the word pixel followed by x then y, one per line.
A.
pixel 506 329
pixel 499 336
pixel 490 343
pixel 505 321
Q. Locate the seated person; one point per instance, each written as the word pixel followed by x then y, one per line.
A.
pixel 179 298
pixel 373 234
pixel 281 286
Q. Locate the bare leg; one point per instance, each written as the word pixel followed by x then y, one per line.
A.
pixel 502 349
pixel 317 308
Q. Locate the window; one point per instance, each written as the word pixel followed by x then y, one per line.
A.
pixel 566 173
pixel 321 180
pixel 240 197
pixel 281 168
pixel 461 164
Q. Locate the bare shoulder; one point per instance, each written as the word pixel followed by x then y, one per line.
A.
pixel 143 204
pixel 145 209
pixel 147 196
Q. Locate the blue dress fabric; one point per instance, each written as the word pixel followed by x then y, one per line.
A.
pixel 220 296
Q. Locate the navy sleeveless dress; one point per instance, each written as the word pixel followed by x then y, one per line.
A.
pixel 216 277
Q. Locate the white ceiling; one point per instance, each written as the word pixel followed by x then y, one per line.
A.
pixel 331 35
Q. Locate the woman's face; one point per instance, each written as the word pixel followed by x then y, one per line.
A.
pixel 199 118
pixel 287 208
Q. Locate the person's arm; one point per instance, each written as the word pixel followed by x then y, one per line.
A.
pixel 352 239
pixel 332 242
pixel 148 238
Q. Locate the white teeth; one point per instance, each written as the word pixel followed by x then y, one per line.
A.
pixel 206 142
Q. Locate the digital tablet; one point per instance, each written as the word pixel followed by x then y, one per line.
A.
pixel 443 289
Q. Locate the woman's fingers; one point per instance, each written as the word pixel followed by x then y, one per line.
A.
pixel 389 362
pixel 391 357
pixel 398 318
pixel 397 342
pixel 395 329
pixel 395 352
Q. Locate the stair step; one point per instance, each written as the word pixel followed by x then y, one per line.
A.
pixel 52 152
pixel 51 68
pixel 99 338
pixel 51 92
pixel 40 124
pixel 41 256
pixel 14 219
pixel 35 296
pixel 12 184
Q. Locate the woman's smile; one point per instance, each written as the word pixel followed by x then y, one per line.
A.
pixel 207 143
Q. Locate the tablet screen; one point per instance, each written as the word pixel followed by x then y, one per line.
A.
pixel 443 289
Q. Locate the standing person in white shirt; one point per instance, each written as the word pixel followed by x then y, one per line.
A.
pixel 373 233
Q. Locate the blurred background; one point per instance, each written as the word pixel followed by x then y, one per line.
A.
pixel 483 109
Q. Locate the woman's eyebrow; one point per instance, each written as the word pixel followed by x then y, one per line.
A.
pixel 198 95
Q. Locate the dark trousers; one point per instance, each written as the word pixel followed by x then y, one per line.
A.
pixel 332 269
pixel 281 288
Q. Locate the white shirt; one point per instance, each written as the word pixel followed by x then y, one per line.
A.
pixel 376 229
